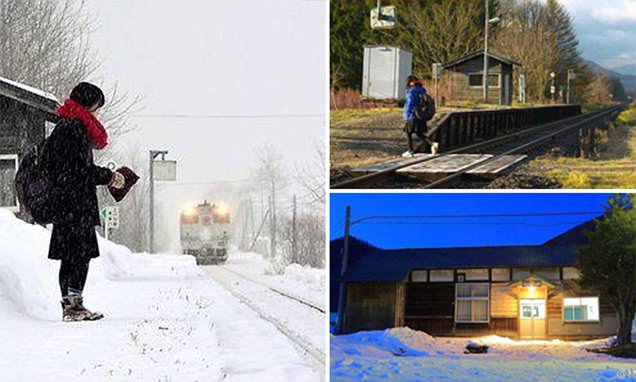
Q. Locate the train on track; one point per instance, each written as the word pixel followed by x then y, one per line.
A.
pixel 205 232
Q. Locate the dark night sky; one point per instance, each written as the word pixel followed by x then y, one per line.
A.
pixel 439 233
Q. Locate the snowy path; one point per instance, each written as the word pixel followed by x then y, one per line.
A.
pixel 302 322
pixel 166 322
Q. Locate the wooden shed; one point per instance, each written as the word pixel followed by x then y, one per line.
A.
pixel 465 77
pixel 525 292
pixel 26 115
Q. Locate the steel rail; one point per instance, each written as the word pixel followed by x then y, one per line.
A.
pixel 364 180
pixel 523 147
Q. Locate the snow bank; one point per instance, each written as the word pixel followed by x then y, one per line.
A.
pixel 29 280
pixel 408 355
pixel 396 341
pixel 305 276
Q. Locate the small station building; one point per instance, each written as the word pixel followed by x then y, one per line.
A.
pixel 27 115
pixel 464 78
pixel 524 292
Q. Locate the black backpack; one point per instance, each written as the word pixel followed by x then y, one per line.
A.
pixel 32 186
pixel 425 109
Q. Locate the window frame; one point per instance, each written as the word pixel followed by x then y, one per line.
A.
pixel 598 308
pixel 457 299
pixel 492 274
pixel 430 276
pixel 15 157
pixel 481 74
pixel 424 271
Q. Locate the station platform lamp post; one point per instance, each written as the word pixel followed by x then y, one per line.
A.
pixel 487 22
pixel 161 170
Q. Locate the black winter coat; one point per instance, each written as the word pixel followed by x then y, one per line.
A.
pixel 68 161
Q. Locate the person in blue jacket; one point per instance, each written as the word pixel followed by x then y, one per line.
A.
pixel 414 125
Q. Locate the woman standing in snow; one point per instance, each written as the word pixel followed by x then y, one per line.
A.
pixel 67 159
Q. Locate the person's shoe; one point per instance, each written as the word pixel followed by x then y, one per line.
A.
pixel 70 313
pixel 408 154
pixel 77 304
pixel 434 148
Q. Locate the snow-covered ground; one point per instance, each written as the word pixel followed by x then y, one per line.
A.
pixel 402 354
pixel 293 301
pixel 166 320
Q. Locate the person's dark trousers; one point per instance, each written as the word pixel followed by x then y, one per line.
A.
pixel 73 276
pixel 419 128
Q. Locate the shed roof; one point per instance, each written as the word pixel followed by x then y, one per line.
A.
pixel 28 95
pixel 494 55
pixel 395 265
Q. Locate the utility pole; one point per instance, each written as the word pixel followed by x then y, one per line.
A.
pixel 485 75
pixel 294 231
pixel 345 259
pixel 571 76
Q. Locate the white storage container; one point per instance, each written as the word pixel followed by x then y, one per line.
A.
pixel 384 73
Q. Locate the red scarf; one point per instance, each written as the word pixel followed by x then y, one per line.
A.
pixel 71 109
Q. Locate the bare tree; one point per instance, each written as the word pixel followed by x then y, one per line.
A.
pixel 312 176
pixel 46 44
pixel 270 172
pixel 528 36
pixel 133 209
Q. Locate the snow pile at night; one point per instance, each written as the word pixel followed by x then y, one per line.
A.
pixel 402 354
pixel 396 341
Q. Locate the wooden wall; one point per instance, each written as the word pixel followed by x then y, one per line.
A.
pixel 22 126
pixel 370 306
pixel 459 89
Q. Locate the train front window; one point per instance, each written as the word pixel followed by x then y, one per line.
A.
pixel 189 219
pixel 206 220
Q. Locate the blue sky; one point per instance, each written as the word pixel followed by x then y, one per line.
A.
pixel 606 31
pixel 438 233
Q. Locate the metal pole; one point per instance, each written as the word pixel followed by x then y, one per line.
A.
pixel 294 232
pixel 485 75
pixel 345 259
pixel 151 206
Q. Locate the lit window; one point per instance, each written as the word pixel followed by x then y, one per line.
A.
pixel 474 274
pixel 580 309
pixel 419 276
pixel 442 275
pixel 471 302
pixel 501 274
pixel 571 273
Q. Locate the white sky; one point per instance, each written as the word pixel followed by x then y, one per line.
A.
pixel 202 57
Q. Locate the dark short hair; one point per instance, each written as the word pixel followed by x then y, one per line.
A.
pixel 87 95
pixel 411 78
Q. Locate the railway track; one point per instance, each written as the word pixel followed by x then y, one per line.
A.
pixel 305 346
pixel 518 142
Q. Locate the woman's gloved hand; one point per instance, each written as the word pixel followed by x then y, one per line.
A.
pixel 117 180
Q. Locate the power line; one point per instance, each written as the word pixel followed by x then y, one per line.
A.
pixel 228 116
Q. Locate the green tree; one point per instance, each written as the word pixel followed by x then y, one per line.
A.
pixel 561 24
pixel 348 28
pixel 608 265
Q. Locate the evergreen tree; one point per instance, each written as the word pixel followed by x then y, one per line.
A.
pixel 561 22
pixel 608 265
pixel 349 25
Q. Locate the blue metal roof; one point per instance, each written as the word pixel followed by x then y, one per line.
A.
pixel 395 265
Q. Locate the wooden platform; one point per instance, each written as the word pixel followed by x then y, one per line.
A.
pixel 377 167
pixel 444 165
